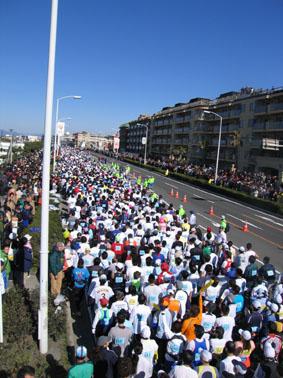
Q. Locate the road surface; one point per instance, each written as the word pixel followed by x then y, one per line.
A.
pixel 265 230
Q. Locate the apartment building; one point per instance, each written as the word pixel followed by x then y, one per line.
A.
pixel 135 132
pixel 252 130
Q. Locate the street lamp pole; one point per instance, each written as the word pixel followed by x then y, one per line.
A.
pixel 145 146
pixel 43 299
pixel 219 141
pixel 56 139
pixel 11 152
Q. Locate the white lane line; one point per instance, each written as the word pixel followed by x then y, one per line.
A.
pixel 269 220
pixel 203 228
pixel 195 195
pixel 243 221
pixel 171 185
pixel 210 201
pixel 212 194
pixel 214 224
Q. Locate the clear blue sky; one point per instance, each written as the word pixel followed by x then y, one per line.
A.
pixel 127 57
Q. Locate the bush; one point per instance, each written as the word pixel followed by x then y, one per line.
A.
pixel 56 319
pixel 17 320
pixel 23 351
pixel 55 233
pixel 275 207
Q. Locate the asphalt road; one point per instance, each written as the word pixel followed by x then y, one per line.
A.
pixel 265 230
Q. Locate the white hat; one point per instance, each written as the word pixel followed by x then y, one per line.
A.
pixel 242 249
pixel 145 333
pixel 27 236
pixel 205 356
pixel 256 305
pixel 222 216
pixel 119 265
pixel 272 306
pixel 268 350
pixel 81 352
pixel 246 335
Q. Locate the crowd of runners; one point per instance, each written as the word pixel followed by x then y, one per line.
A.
pixel 165 299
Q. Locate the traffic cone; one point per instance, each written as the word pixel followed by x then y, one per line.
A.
pixel 172 192
pixel 211 211
pixel 245 227
pixel 177 195
pixel 184 200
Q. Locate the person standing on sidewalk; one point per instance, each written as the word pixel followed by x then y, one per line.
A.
pixel 56 264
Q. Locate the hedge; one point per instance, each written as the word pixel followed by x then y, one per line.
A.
pixel 274 207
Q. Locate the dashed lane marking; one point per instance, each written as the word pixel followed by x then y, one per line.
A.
pixel 243 221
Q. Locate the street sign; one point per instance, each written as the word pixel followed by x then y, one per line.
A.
pixel 144 140
pixel 34 229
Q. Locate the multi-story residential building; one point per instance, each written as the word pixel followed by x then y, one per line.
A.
pixel 250 119
pixel 137 131
pixel 123 135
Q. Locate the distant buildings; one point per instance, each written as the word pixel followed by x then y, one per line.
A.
pixel 87 140
pixel 252 131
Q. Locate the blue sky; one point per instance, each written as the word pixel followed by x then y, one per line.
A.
pixel 127 57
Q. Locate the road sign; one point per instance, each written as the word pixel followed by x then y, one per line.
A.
pixel 144 140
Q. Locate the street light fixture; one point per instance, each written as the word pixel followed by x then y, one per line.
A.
pixel 56 121
pixel 219 141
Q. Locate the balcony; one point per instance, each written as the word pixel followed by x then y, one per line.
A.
pixel 268 126
pixel 182 130
pixel 276 107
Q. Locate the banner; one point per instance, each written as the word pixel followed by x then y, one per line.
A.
pixel 116 143
pixel 60 129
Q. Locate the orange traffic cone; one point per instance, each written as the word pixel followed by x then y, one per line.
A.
pixel 211 211
pixel 245 227
pixel 184 200
pixel 177 195
pixel 172 192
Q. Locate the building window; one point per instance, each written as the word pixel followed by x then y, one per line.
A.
pixel 251 107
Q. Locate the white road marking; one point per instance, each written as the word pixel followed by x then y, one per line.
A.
pixel 243 221
pixel 210 220
pixel 211 194
pixel 171 185
pixel 195 195
pixel 269 220
pixel 203 228
pixel 210 201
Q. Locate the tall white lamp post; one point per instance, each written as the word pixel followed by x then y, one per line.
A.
pixel 56 121
pixel 43 299
pixel 219 141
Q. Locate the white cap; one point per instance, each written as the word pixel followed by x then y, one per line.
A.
pixel 27 236
pixel 242 249
pixel 268 350
pixel 205 356
pixel 119 265
pixel 246 335
pixel 272 306
pixel 256 305
pixel 145 333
